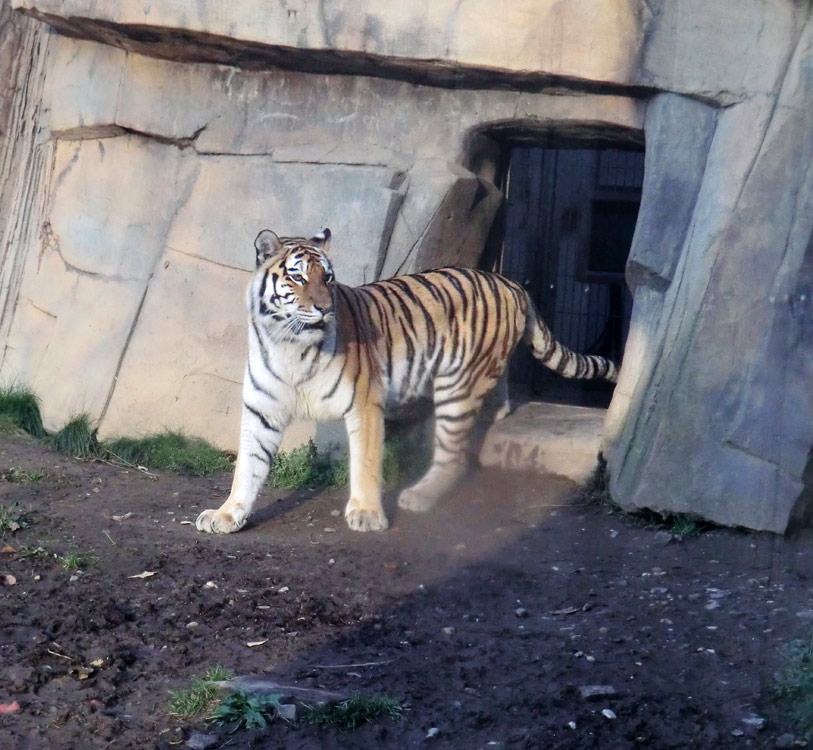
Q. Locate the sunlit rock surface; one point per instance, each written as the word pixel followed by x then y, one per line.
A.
pixel 144 144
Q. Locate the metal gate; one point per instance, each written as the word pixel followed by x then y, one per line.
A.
pixel 569 220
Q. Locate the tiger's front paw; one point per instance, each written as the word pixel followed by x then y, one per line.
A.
pixel 412 499
pixel 362 519
pixel 218 522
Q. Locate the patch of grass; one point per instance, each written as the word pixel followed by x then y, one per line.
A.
pixel 71 561
pixel 18 476
pixel 307 466
pixel 247 710
pixel 794 684
pixel 685 526
pixel 19 407
pixel 353 712
pixel 77 438
pixel 199 696
pixel 13 519
pixel 170 450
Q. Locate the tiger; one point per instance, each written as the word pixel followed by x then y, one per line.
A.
pixel 321 350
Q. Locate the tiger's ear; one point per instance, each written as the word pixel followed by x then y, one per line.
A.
pixel 322 240
pixel 267 246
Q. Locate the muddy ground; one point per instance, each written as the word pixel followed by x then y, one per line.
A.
pixel 485 616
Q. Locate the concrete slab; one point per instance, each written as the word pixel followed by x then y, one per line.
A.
pixel 546 439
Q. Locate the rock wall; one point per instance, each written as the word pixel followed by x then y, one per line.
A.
pixel 145 144
pixel 712 414
pixel 163 172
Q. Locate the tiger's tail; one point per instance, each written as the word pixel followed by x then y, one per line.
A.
pixel 559 358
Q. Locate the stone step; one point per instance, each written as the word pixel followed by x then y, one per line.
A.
pixel 545 438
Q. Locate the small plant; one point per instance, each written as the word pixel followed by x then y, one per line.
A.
pixel 304 466
pixel 794 684
pixel 353 712
pixel 12 519
pixel 685 526
pixel 246 710
pixel 199 696
pixel 35 553
pixel 19 408
pixel 169 450
pixel 77 438
pixel 18 476
pixel 71 561
pixel 307 466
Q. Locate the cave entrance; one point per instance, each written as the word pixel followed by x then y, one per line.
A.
pixel 568 222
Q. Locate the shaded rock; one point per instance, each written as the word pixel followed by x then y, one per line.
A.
pixel 200 741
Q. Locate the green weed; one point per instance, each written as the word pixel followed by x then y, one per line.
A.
pixel 13 519
pixel 199 696
pixel 77 438
pixel 18 476
pixel 71 561
pixel 247 710
pixel 19 408
pixel 170 450
pixel 794 684
pixel 353 712
pixel 685 526
pixel 306 466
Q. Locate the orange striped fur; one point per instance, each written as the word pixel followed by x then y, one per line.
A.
pixel 322 350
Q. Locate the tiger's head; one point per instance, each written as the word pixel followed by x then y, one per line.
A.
pixel 291 294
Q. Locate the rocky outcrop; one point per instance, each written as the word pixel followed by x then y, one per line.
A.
pixel 713 410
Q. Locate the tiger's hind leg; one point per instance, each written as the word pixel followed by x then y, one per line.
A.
pixel 455 417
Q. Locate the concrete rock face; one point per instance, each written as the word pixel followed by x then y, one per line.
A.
pixel 143 146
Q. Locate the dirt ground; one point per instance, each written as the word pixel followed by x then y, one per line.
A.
pixel 485 616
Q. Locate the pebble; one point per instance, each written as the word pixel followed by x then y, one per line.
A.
pixel 449 630
pixel 663 538
pixel 335 513
pixel 521 612
pixel 608 713
pixel 757 722
pixel 433 732
pixel 589 692
pixel 200 741
pixel 785 740
pixel 713 604
pixel 287 711
pixel 210 585
pixel 283 590
pixel 191 625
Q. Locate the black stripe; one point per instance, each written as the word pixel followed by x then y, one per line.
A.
pixel 262 419
pixel 430 324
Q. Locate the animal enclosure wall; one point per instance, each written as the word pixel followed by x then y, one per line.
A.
pixel 143 147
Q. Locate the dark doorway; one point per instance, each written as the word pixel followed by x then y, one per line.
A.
pixel 569 220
